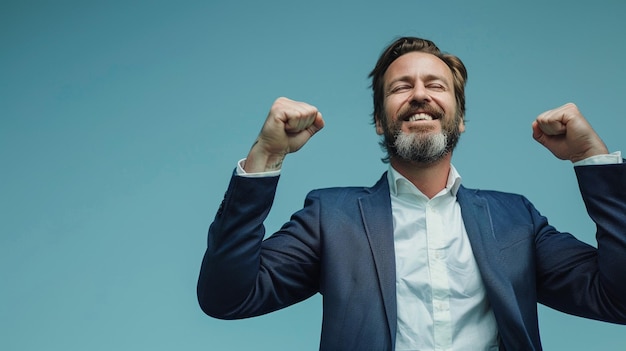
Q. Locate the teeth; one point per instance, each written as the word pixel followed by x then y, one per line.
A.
pixel 420 117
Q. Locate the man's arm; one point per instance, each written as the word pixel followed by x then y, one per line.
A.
pixel 585 281
pixel 577 278
pixel 238 276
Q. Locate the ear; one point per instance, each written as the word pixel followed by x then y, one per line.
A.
pixel 379 127
pixel 462 124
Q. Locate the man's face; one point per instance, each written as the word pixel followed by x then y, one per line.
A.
pixel 421 122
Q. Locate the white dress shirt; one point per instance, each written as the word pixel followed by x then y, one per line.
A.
pixel 441 297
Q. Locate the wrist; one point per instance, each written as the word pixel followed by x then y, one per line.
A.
pixel 597 151
pixel 259 160
pixel 612 158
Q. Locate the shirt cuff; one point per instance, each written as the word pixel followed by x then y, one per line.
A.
pixel 612 158
pixel 242 173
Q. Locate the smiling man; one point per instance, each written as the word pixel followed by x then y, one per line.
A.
pixel 418 261
pixel 420 120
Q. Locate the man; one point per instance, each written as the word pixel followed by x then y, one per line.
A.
pixel 418 262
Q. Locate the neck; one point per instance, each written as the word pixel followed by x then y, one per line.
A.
pixel 430 179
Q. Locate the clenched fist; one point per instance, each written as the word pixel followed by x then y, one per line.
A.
pixel 567 134
pixel 289 125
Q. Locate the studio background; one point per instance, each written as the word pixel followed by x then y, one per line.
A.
pixel 121 122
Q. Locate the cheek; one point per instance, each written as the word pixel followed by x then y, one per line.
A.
pixel 393 104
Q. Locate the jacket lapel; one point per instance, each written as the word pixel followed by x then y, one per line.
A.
pixel 477 221
pixel 378 222
pixel 478 225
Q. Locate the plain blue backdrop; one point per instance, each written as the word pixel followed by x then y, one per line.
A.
pixel 121 122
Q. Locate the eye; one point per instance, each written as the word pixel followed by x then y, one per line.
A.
pixel 399 88
pixel 436 86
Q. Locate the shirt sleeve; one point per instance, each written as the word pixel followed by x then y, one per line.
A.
pixel 240 171
pixel 612 158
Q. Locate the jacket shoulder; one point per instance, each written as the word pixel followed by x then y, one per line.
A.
pixel 496 200
pixel 352 192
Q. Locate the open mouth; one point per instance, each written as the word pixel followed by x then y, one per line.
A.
pixel 419 117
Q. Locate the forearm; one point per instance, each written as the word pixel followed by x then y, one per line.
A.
pixel 575 277
pixel 231 263
pixel 603 189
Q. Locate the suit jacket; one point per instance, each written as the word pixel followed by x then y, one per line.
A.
pixel 340 244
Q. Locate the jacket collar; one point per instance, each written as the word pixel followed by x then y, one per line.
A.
pixel 397 181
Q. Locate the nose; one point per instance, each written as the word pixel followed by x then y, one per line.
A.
pixel 420 93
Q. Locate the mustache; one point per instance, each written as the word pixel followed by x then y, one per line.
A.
pixel 413 109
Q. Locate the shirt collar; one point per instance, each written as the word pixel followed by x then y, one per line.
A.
pixel 395 179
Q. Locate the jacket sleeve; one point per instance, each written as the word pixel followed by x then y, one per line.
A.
pixel 576 278
pixel 242 275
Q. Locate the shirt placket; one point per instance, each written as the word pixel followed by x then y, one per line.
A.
pixel 436 240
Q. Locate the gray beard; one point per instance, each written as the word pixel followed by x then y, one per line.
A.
pixel 425 148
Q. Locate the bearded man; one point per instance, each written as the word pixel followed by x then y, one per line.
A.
pixel 418 261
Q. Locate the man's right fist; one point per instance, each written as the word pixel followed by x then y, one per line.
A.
pixel 289 125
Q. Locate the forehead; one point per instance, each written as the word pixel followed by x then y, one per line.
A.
pixel 418 65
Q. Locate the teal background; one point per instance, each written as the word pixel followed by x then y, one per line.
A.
pixel 121 122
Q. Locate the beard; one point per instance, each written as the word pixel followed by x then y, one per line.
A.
pixel 422 147
pixel 426 148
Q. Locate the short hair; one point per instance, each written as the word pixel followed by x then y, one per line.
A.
pixel 410 44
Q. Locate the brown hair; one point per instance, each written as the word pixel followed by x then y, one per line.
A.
pixel 409 44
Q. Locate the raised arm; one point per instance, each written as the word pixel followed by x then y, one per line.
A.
pixel 574 277
pixel 241 276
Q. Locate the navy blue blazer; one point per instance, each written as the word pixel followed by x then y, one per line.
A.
pixel 340 244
